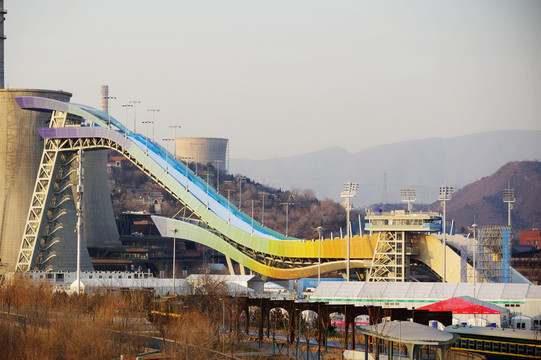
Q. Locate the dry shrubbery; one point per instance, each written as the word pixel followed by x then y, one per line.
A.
pixel 60 326
pixel 57 325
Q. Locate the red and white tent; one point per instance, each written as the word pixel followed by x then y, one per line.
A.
pixel 468 310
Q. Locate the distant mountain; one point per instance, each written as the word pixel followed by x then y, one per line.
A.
pixel 383 170
pixel 482 201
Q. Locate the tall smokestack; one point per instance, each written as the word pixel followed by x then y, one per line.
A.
pixel 104 98
pixel 2 38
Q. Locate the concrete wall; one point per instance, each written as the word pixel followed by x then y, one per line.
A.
pixel 99 227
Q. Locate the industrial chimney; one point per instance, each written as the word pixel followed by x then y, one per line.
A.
pixel 3 12
pixel 104 98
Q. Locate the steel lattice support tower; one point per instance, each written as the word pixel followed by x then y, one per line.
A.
pixel 493 253
pixel 52 214
pixel 390 261
pixel 395 246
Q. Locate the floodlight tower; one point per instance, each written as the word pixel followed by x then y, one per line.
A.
pixel 154 111
pixel 444 196
pixel 509 198
pixel 107 98
pixel 408 195
pixel 350 190
pixel 134 104
pixel 290 202
pixel 167 141
pixel 319 230
pixel 127 107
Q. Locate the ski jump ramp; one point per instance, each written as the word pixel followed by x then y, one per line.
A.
pixel 221 226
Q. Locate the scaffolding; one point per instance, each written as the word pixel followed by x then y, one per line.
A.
pixel 493 251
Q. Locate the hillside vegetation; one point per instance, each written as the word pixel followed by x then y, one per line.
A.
pixel 305 212
pixel 482 201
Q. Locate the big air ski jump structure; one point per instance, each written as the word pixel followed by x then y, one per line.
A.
pixel 387 254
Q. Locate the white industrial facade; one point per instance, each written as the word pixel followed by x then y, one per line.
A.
pixel 520 299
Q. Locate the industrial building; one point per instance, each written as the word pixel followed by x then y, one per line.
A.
pixel 531 237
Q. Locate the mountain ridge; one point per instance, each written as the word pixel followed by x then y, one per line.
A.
pixel 423 164
pixel 481 202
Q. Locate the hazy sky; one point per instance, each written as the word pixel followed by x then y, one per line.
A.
pixel 281 78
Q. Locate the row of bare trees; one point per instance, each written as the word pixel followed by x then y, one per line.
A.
pixel 37 322
pixel 55 325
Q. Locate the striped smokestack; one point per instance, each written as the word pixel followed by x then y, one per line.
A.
pixel 104 98
pixel 3 12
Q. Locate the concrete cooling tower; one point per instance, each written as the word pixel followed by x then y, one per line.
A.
pixel 99 227
pixel 203 151
pixel 21 148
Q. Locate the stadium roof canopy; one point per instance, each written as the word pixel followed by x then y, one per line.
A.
pixel 360 291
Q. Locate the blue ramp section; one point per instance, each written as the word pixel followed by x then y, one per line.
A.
pixel 96 122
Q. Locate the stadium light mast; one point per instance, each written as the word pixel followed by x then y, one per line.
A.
pixel 154 111
pixel 107 98
pixel 319 230
pixel 80 191
pixel 408 195
pixel 167 140
pixel 146 140
pixel 263 194
pixel 509 198
pixel 175 127
pixel 474 226
pixel 127 106
pixel 290 202
pixel 240 180
pixel 350 190
pixel 444 196
pixel 174 257
pixel 135 102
